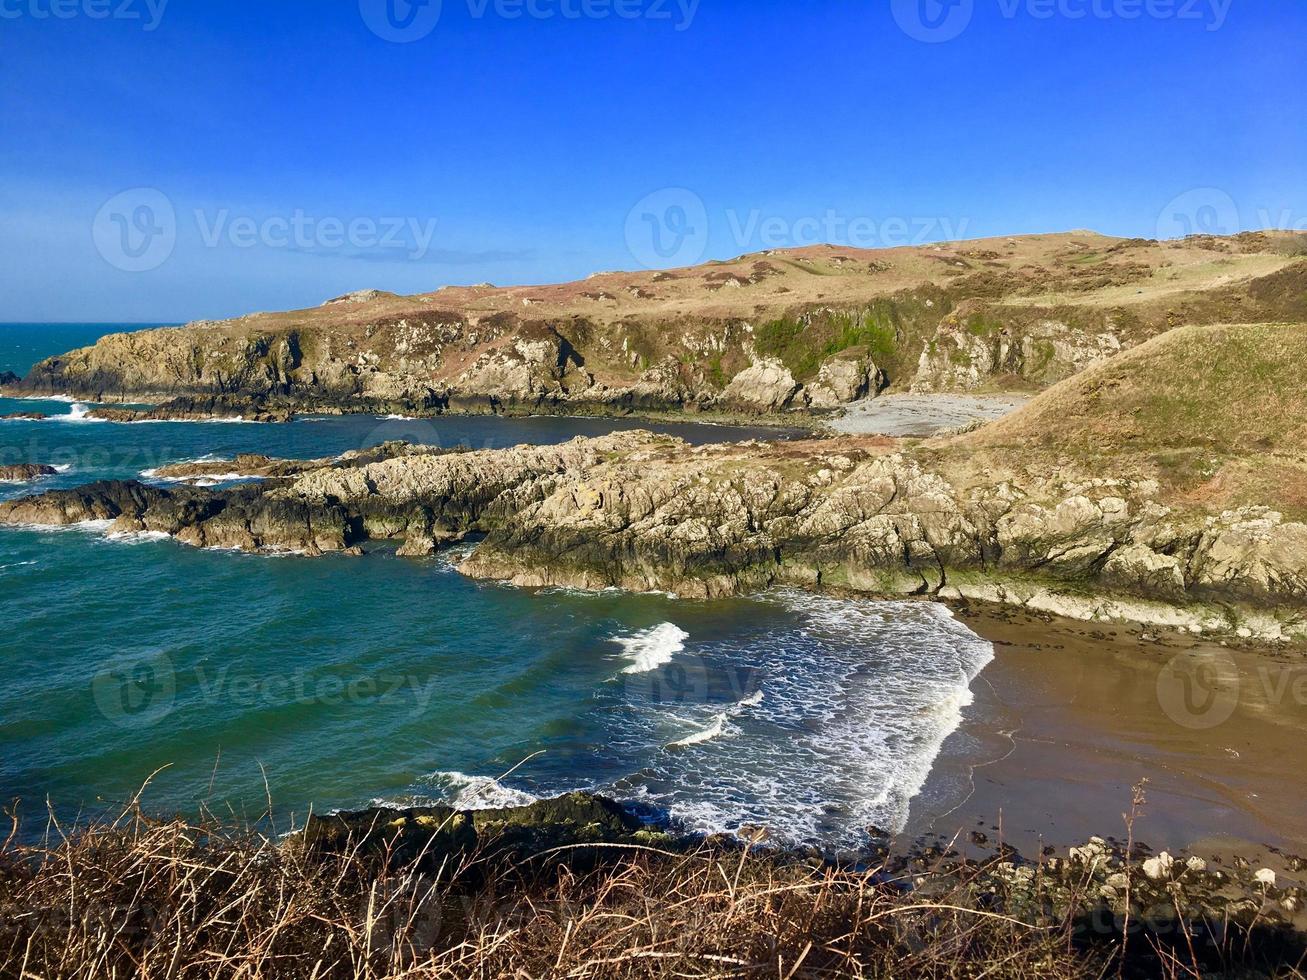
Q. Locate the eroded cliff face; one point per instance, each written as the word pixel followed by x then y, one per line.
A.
pixel 797 330
pixel 641 511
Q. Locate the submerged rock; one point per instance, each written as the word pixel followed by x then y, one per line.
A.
pixel 25 472
pixel 440 833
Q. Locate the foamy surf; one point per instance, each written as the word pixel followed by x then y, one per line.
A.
pixel 138 537
pixel 650 649
pixel 707 735
pixel 837 712
pixel 720 723
pixel 464 792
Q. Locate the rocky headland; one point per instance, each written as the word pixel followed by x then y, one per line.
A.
pixel 643 512
pixel 793 332
pixel 1157 478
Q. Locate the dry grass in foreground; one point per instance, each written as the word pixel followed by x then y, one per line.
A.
pixel 174 899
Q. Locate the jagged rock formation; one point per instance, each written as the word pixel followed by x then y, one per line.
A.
pixel 25 472
pixel 441 834
pixel 642 511
pixel 789 330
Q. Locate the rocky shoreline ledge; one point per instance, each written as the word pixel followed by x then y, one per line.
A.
pixel 25 472
pixel 647 512
pixel 1117 875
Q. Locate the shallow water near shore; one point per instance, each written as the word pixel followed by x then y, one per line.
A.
pixel 338 682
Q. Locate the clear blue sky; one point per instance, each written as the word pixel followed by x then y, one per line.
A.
pixel 529 139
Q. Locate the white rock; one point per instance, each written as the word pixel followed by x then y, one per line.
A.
pixel 1159 867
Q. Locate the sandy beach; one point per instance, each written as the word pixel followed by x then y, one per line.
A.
pixel 919 416
pixel 1070 716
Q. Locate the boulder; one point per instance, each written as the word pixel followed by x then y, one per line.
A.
pixel 766 385
pixel 8 378
pixel 25 472
pixel 844 378
pixel 442 833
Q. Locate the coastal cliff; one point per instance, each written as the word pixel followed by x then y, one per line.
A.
pixel 785 331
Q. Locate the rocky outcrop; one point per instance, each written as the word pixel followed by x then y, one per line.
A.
pixel 443 834
pixel 642 511
pixel 980 350
pixel 845 378
pixel 791 330
pixel 219 408
pixel 8 378
pixel 766 385
pixel 25 472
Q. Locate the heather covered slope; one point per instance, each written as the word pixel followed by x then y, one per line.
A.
pixel 807 329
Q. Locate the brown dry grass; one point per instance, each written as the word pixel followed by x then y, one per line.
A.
pixel 175 899
pixel 1234 389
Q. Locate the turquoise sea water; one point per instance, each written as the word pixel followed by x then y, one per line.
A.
pixel 337 682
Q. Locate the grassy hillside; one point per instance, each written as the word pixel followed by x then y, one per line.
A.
pixel 1232 389
pixel 1216 414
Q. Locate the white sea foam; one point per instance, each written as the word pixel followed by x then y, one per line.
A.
pixel 138 537
pixel 458 789
pixel 706 735
pixel 652 648
pixel 839 710
pixel 80 412
pixel 66 399
pixel 92 527
pixel 720 724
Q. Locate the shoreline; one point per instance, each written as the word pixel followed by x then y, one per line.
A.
pixel 1070 716
pixel 794 421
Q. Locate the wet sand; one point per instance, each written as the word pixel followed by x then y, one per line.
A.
pixel 1070 716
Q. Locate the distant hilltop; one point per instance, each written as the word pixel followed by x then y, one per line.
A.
pixel 786 330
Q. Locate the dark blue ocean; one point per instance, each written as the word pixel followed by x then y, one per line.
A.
pixel 338 682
